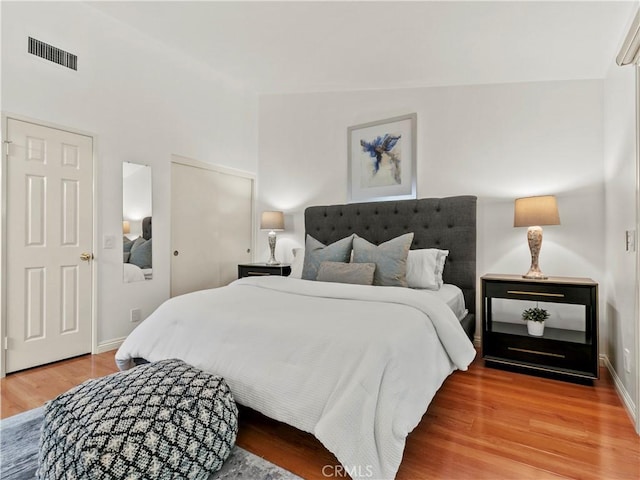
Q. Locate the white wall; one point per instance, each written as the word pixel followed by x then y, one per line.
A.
pixel 144 102
pixel 498 142
pixel 620 130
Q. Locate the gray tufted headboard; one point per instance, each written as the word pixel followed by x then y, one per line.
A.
pixel 445 223
pixel 146 228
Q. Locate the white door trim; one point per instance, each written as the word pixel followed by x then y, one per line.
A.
pixel 5 116
pixel 209 166
pixel 637 252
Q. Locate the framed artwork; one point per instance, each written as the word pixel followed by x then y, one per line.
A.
pixel 382 160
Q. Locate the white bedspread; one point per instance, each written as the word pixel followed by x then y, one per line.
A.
pixel 132 273
pixel 355 365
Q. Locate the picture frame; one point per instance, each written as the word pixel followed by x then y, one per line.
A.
pixel 382 160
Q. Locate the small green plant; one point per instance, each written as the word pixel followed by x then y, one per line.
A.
pixel 535 314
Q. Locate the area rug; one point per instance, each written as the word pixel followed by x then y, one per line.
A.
pixel 20 434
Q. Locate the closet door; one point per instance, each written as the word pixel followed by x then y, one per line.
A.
pixel 211 226
pixel 235 212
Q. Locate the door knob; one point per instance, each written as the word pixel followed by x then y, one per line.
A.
pixel 175 253
pixel 85 257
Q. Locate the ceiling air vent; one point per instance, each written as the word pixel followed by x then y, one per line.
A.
pixel 53 54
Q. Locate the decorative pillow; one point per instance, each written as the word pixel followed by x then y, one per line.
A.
pixel 298 263
pixel 390 259
pixel 442 258
pixel 125 257
pixel 137 242
pixel 141 253
pixel 126 244
pixel 357 273
pixel 160 420
pixel 425 267
pixel 315 253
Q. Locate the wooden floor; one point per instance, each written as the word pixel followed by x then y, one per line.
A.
pixel 482 424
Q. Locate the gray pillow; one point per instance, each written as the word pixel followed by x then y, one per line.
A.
pixel 315 253
pixel 390 259
pixel 357 273
pixel 126 245
pixel 141 253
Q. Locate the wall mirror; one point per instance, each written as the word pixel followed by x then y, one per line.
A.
pixel 136 223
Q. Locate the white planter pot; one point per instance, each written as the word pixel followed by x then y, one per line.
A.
pixel 535 329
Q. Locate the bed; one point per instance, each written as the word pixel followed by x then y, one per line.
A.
pixel 355 365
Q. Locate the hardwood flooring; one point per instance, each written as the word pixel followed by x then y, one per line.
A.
pixel 482 424
pixel 22 391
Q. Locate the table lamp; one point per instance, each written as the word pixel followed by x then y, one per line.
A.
pixel 533 212
pixel 272 221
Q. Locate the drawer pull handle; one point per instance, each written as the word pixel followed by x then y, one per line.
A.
pixel 257 274
pixel 541 294
pixel 536 352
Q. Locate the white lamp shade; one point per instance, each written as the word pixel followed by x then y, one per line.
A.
pixel 272 221
pixel 536 211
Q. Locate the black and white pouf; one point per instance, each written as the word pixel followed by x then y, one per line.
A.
pixel 161 420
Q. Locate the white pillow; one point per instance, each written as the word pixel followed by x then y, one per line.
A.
pixel 425 267
pixel 298 263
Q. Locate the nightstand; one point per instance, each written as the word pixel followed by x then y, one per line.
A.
pixel 261 269
pixel 569 347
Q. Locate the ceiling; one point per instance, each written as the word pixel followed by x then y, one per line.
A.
pixel 284 47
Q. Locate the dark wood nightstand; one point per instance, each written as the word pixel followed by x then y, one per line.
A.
pixel 570 354
pixel 260 269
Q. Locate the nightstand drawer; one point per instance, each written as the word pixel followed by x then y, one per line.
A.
pixel 539 292
pixel 262 269
pixel 539 351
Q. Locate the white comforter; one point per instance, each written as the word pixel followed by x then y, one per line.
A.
pixel 355 365
pixel 132 273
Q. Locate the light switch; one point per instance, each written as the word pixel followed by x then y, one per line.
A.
pixel 109 241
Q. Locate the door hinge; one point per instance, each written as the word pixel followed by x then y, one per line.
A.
pixel 7 144
pixel 6 343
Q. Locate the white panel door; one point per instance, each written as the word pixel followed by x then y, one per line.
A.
pixel 211 224
pixel 49 231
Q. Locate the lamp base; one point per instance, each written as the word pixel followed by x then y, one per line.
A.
pixel 535 275
pixel 272 247
pixel 534 237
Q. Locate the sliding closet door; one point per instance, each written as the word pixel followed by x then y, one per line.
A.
pixel 235 212
pixel 211 226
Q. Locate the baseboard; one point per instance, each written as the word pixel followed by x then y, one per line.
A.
pixel 627 401
pixel 111 345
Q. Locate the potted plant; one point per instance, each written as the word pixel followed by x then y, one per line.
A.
pixel 535 318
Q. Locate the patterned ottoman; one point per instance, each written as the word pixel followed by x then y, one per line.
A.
pixel 160 420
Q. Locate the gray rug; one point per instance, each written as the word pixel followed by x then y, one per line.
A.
pixel 20 434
